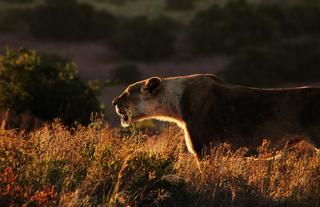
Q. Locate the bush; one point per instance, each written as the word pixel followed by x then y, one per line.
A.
pixel 126 73
pixel 69 20
pixel 294 60
pixel 295 20
pixel 142 39
pixel 46 88
pixel 180 4
pixel 14 19
pixel 19 1
pixel 116 2
pixel 227 29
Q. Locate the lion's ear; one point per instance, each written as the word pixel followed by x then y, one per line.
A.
pixel 152 86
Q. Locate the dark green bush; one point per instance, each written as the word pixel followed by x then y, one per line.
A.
pixel 126 73
pixel 292 61
pixel 14 19
pixel 44 87
pixel 19 1
pixel 180 4
pixel 69 20
pixel 143 39
pixel 227 29
pixel 296 20
pixel 116 2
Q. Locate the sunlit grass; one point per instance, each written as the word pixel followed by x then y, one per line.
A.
pixel 96 165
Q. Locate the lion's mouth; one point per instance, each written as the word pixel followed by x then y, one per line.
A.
pixel 125 116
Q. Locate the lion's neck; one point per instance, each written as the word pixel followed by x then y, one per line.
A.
pixel 171 100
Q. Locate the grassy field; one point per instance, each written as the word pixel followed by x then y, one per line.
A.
pixel 97 165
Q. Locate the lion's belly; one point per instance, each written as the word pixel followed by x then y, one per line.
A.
pixel 276 117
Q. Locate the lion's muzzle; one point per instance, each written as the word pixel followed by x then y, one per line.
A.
pixel 120 107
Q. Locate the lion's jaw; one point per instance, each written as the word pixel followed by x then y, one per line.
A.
pixel 125 118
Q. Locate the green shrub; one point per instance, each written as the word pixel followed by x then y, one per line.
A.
pixel 46 88
pixel 180 4
pixel 143 39
pixel 116 2
pixel 126 73
pixel 19 1
pixel 237 25
pixel 295 20
pixel 14 20
pixel 69 20
pixel 293 60
pixel 230 28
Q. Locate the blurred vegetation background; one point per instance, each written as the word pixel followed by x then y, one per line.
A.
pixel 77 55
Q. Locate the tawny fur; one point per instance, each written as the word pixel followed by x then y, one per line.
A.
pixel 211 111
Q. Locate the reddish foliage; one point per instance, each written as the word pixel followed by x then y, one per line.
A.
pixel 46 197
pixel 10 192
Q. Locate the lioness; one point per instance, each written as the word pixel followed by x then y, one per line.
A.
pixel 211 111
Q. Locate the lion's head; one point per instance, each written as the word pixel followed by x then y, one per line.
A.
pixel 139 101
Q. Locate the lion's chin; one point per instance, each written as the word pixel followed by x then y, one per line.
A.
pixel 126 121
pixel 124 124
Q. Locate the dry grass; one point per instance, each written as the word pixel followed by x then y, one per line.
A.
pixel 96 165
